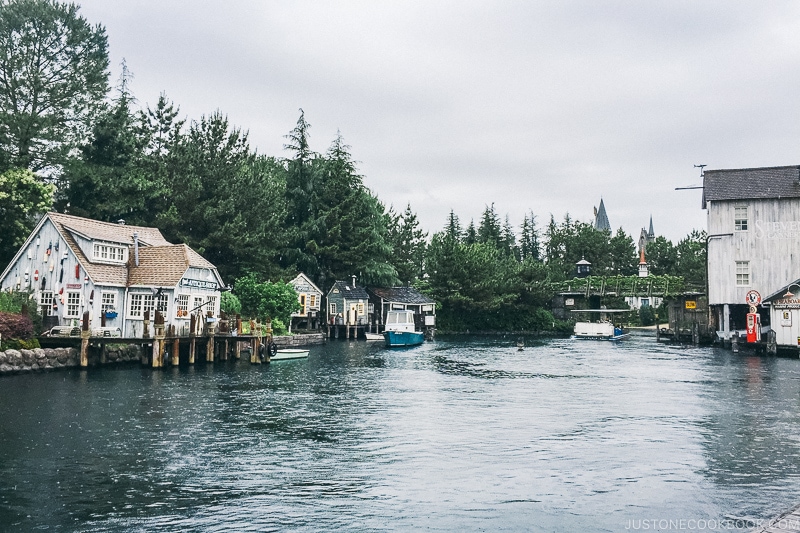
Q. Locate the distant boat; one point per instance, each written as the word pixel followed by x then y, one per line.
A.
pixel 401 330
pixel 604 331
pixel 289 353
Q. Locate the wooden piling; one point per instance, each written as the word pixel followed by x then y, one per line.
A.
pixel 192 338
pixel 211 343
pixel 158 340
pixel 254 358
pixel 86 333
pixel 146 325
pixel 176 352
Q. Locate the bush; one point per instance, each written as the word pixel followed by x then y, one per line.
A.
pixel 230 304
pixel 647 316
pixel 19 344
pixel 15 327
pixel 278 327
pixel 21 303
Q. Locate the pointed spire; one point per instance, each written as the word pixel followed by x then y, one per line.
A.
pixel 651 234
pixel 601 219
pixel 641 257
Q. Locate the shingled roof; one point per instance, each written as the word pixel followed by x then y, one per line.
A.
pixel 160 262
pixel 403 295
pixel 107 231
pixel 355 293
pixel 164 265
pixel 751 183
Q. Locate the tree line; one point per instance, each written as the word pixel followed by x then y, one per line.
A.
pixel 71 142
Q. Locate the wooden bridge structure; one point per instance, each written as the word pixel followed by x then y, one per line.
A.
pixel 663 286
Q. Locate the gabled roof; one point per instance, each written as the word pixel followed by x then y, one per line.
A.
pixel 751 183
pixel 778 295
pixel 401 295
pixel 349 292
pixel 107 231
pixel 302 278
pixel 165 265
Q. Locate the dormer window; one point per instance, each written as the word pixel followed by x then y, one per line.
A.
pixel 110 253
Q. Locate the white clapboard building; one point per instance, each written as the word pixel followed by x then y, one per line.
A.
pixel 114 271
pixel 753 240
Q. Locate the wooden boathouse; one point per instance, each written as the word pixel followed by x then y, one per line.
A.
pixel 348 310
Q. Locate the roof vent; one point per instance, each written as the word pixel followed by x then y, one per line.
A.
pixel 121 222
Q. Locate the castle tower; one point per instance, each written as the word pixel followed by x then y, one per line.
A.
pixel 600 218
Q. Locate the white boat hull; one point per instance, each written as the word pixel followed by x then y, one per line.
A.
pixel 289 353
pixel 603 331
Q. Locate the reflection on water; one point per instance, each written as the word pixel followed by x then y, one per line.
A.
pixel 456 434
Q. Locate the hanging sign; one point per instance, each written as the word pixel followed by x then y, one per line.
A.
pixel 690 304
pixel 199 284
pixel 753 297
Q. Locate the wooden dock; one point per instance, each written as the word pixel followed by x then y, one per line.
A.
pixel 163 345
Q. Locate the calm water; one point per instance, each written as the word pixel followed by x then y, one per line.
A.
pixel 452 435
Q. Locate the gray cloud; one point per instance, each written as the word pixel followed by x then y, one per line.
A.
pixel 542 106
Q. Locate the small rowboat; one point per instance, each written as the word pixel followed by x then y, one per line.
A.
pixel 289 353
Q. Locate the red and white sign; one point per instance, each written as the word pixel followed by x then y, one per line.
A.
pixel 753 297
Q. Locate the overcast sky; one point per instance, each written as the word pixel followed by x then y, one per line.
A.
pixel 534 105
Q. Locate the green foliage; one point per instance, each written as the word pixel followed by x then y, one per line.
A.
pixel 230 304
pixel 662 257
pixel 279 327
pixel 23 199
pixel 408 245
pixel 336 226
pixel 19 344
pixel 54 66
pixel 693 259
pixel 647 316
pixel 264 300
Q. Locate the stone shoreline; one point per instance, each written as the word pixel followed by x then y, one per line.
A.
pixel 14 361
pixel 19 361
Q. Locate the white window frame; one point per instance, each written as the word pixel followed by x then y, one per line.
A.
pixel 742 273
pixel 182 306
pixel 312 301
pixel 108 301
pixel 740 217
pixel 109 253
pixel 46 303
pixel 198 301
pixel 72 304
pixel 211 302
pixel 360 309
pixel 332 308
pixel 136 305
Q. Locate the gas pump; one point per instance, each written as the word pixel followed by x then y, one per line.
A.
pixel 753 328
pixel 753 299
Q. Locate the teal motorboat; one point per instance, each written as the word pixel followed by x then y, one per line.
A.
pixel 401 330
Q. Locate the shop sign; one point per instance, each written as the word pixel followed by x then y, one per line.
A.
pixel 198 284
pixel 690 304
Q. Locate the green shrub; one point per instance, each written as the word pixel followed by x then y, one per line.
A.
pixel 278 327
pixel 19 344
